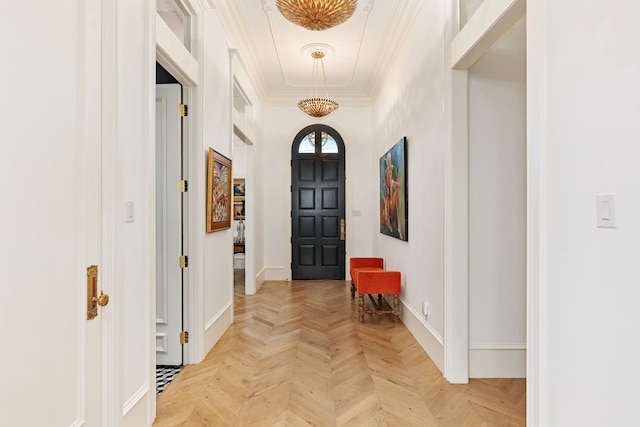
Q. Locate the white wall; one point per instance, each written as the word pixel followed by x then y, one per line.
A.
pixel 584 105
pixel 497 210
pixel 135 145
pixel 217 133
pixel 411 103
pixel 281 124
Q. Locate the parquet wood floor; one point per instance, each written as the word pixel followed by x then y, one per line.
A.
pixel 297 355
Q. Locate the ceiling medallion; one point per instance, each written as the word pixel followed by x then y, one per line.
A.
pixel 315 106
pixel 317 15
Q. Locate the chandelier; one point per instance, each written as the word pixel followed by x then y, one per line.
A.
pixel 317 15
pixel 315 106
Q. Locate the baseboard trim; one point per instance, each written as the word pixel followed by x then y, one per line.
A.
pixel 498 360
pixel 260 279
pixel 428 338
pixel 136 410
pixel 217 326
pixel 276 273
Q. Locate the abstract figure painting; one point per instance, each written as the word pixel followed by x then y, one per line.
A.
pixel 218 192
pixel 393 191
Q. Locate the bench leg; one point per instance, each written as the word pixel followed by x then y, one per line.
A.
pixel 396 308
pixel 353 290
pixel 361 307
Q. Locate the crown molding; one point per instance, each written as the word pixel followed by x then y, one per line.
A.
pixel 236 27
pixel 195 7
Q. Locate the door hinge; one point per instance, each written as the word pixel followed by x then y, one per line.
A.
pixel 184 337
pixel 183 186
pixel 183 110
pixel 184 261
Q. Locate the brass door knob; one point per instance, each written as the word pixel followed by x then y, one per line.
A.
pixel 102 300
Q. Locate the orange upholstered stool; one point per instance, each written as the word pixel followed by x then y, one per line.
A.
pixel 362 264
pixel 381 283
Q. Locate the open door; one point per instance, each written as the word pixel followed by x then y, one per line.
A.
pixel 169 236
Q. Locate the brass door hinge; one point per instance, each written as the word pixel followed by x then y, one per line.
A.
pixel 184 261
pixel 183 110
pixel 184 337
pixel 183 186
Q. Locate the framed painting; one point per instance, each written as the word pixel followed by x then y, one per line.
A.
pixel 238 208
pixel 394 214
pixel 238 187
pixel 218 192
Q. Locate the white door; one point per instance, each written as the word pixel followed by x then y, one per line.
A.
pixel 168 225
pixel 50 219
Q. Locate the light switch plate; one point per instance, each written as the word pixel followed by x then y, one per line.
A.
pixel 605 210
pixel 130 211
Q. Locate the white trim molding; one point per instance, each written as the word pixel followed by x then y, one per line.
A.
pixel 498 360
pixel 170 52
pixel 538 327
pixel 277 273
pixel 428 338
pixel 487 25
pixel 136 398
pixel 217 325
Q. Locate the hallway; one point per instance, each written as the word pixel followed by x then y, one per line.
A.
pixel 296 355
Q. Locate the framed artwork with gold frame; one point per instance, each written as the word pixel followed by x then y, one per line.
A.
pixel 238 187
pixel 219 202
pixel 238 207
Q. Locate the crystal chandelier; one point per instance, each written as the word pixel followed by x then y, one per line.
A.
pixel 317 15
pixel 316 106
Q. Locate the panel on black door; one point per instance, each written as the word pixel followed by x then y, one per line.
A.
pixel 317 204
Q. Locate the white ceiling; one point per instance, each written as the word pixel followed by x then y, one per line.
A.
pixel 357 53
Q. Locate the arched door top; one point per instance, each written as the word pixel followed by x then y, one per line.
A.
pixel 318 139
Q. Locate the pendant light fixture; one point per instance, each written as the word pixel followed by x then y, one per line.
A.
pixel 314 105
pixel 317 15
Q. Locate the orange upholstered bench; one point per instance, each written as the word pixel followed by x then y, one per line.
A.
pixel 368 276
pixel 362 264
pixel 381 283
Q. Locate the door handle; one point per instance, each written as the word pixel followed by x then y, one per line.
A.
pixel 93 300
pixel 342 232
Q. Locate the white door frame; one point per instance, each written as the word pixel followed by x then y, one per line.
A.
pixel 250 222
pixel 488 24
pixel 182 65
pixel 112 211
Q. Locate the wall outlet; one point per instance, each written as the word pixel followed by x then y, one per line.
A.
pixel 425 309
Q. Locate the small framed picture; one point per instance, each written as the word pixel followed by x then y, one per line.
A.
pixel 238 187
pixel 238 209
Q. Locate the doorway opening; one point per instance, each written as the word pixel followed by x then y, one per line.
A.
pixel 239 215
pixel 171 224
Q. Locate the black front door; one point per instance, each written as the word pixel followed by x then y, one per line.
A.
pixel 317 204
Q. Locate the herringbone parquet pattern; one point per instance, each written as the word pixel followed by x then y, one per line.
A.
pixel 296 355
